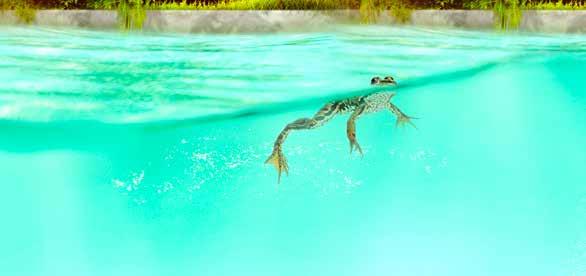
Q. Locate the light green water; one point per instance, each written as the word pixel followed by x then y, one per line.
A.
pixel 142 154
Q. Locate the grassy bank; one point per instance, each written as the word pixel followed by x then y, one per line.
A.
pixel 293 4
pixel 131 13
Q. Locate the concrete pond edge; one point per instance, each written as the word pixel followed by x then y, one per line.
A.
pixel 254 21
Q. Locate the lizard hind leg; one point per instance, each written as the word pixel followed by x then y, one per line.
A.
pixel 278 160
pixel 351 133
pixel 351 130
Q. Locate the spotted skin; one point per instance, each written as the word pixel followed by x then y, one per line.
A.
pixel 357 106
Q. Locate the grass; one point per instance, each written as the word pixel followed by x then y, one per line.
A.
pixel 508 14
pixel 398 9
pixel 26 13
pixel 479 5
pixel 131 14
pixel 368 11
pixel 25 10
pixel 559 5
pixel 255 5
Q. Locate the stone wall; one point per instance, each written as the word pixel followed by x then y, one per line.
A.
pixel 554 21
pixel 245 21
pixel 276 21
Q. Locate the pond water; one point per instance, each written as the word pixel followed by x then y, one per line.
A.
pixel 143 154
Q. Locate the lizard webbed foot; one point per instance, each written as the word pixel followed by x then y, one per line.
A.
pixel 278 160
pixel 403 119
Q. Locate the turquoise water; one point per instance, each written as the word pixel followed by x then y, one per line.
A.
pixel 142 154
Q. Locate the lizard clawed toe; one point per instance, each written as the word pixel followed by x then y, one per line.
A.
pixel 354 145
pixel 352 139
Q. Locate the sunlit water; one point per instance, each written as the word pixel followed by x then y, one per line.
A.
pixel 142 154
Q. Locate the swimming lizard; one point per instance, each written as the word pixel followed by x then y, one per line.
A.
pixel 357 106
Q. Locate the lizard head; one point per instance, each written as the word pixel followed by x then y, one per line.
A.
pixel 386 81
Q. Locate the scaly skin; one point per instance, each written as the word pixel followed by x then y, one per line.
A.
pixel 356 105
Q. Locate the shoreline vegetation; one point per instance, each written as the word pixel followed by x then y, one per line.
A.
pixel 132 13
